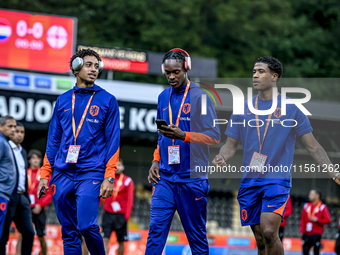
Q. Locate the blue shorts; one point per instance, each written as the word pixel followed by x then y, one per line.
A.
pixel 256 200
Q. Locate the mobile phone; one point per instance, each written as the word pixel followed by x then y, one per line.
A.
pixel 161 123
pixel 42 191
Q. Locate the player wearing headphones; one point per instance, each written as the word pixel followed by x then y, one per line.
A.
pixel 83 151
pixel 182 145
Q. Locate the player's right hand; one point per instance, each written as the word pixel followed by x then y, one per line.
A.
pixel 154 173
pixel 42 183
pixel 219 161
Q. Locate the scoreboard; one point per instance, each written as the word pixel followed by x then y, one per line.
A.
pixel 37 42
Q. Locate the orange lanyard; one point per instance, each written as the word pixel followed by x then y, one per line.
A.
pixel 29 177
pixel 258 125
pixel 82 118
pixel 311 214
pixel 180 108
pixel 119 183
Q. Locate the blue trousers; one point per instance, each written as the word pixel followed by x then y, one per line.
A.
pixel 3 212
pixel 77 206
pixel 190 200
pixel 19 211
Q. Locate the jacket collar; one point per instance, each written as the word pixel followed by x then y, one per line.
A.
pixel 1 134
pixel 182 89
pixel 94 88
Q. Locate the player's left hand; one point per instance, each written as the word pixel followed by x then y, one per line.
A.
pixel 337 180
pixel 172 132
pixel 36 209
pixel 106 189
pixel 313 219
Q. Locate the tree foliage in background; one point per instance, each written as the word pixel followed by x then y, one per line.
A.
pixel 303 34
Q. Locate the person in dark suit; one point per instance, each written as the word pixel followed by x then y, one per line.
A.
pixel 19 209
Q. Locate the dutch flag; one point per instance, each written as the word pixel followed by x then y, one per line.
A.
pixel 5 30
pixel 4 79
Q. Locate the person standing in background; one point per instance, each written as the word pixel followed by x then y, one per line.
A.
pixel 314 216
pixel 118 209
pixel 19 209
pixel 37 205
pixel 7 167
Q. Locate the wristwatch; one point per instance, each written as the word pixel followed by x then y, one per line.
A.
pixel 110 179
pixel 335 176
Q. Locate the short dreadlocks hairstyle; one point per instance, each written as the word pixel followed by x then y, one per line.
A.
pixel 273 64
pixel 178 55
pixel 84 52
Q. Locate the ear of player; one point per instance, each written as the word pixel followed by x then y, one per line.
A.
pixel 78 63
pixel 187 63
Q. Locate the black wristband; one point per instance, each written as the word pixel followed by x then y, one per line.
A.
pixel 222 157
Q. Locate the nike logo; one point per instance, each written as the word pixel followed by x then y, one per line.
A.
pixel 249 113
pixel 271 205
pixel 165 109
pixel 67 110
pixel 95 182
pixel 198 198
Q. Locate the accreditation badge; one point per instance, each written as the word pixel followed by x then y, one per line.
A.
pixel 257 161
pixel 309 227
pixel 173 155
pixel 72 154
pixel 115 206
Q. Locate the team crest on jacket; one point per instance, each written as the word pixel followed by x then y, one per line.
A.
pixel 277 112
pixel 94 110
pixel 53 189
pixel 244 214
pixel 186 108
pixel 3 206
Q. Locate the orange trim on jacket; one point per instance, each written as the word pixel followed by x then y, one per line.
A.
pixel 46 169
pixel 156 155
pixel 111 166
pixel 199 138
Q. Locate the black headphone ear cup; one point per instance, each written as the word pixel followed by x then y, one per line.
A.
pixel 77 63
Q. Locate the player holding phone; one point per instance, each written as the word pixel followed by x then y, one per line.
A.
pixel 161 124
pixel 181 146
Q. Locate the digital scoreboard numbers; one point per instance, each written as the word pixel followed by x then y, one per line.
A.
pixel 36 42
